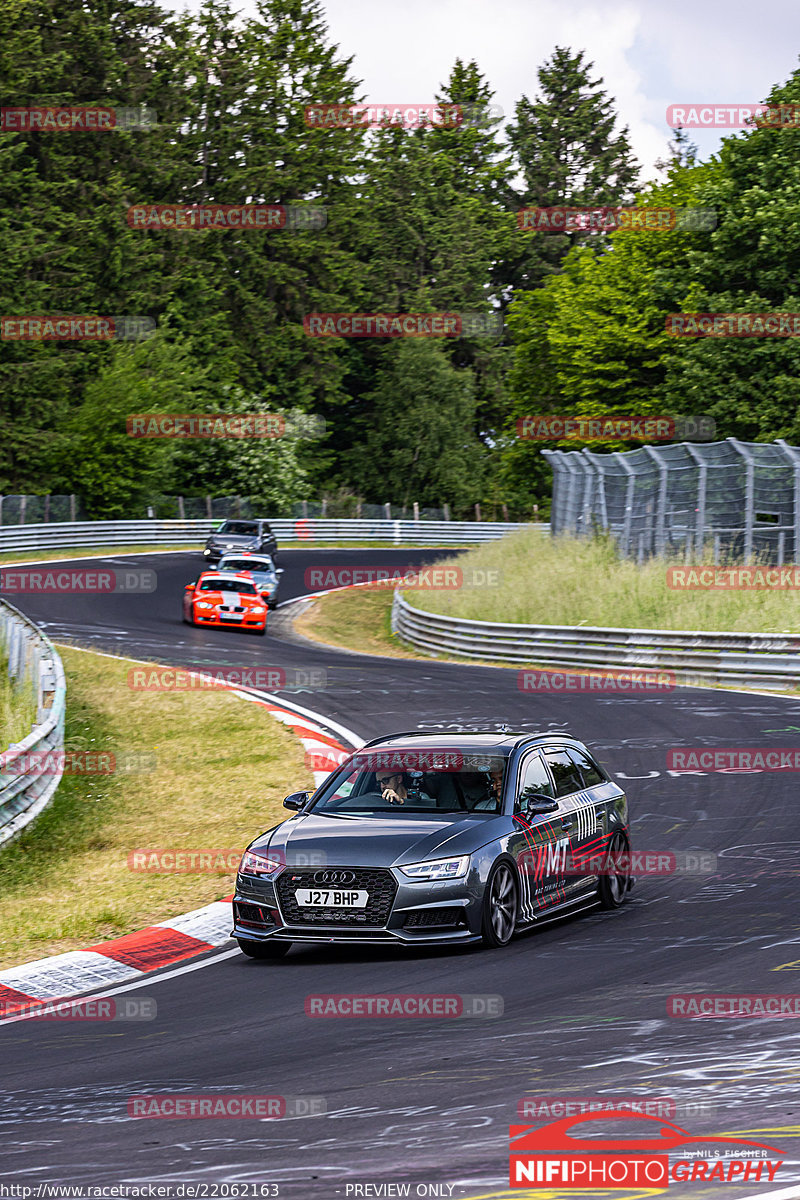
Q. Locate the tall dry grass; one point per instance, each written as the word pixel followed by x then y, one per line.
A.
pixel 579 581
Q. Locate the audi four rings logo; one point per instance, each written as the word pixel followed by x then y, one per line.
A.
pixel 334 877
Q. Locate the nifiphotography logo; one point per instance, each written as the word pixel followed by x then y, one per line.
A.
pixel 555 1156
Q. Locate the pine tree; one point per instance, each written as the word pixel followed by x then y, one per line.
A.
pixel 569 152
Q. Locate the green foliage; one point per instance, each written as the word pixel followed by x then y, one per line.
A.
pixel 420 220
pixel 422 446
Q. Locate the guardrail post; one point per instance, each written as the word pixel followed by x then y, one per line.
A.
pixel 397 538
pixel 749 495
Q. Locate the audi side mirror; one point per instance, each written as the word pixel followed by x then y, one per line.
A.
pixel 296 800
pixel 536 804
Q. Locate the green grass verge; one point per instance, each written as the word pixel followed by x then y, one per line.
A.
pixel 222 768
pixel 17 708
pixel 577 581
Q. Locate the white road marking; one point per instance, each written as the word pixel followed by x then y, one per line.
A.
pixel 146 981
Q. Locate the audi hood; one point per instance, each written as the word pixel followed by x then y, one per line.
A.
pixel 354 841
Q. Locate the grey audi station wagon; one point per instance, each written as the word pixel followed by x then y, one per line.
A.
pixel 423 838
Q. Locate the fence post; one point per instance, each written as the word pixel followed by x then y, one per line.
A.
pixel 583 517
pixel 700 521
pixel 387 511
pixel 305 510
pixel 505 513
pixel 477 512
pixel 1 510
pixel 416 510
pixel 209 509
pixel 629 489
pixel 72 508
pixel 749 495
pixel 661 515
pixel 181 509
pixel 23 504
pixel 793 458
pixel 324 507
pixel 47 507
pixel 446 511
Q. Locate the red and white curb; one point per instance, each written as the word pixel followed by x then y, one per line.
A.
pixel 118 961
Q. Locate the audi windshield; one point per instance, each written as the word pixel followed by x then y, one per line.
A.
pixel 412 783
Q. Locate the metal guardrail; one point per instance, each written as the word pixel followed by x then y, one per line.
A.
pixel 175 533
pixel 757 659
pixel 32 660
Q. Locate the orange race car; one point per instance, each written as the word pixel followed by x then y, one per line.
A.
pixel 225 601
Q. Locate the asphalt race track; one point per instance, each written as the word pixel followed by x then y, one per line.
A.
pixel 428 1102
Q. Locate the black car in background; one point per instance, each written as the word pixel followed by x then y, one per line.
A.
pixel 239 534
pixel 438 839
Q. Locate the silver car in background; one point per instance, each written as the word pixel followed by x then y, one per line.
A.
pixel 266 576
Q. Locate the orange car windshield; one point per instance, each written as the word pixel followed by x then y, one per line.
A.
pixel 228 585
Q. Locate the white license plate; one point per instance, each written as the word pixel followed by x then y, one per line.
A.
pixel 231 616
pixel 327 898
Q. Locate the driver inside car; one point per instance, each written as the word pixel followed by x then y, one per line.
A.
pixel 400 787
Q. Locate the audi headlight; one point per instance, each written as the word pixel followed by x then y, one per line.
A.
pixel 203 604
pixel 439 868
pixel 260 864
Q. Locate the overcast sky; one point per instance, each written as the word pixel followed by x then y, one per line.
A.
pixel 650 53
